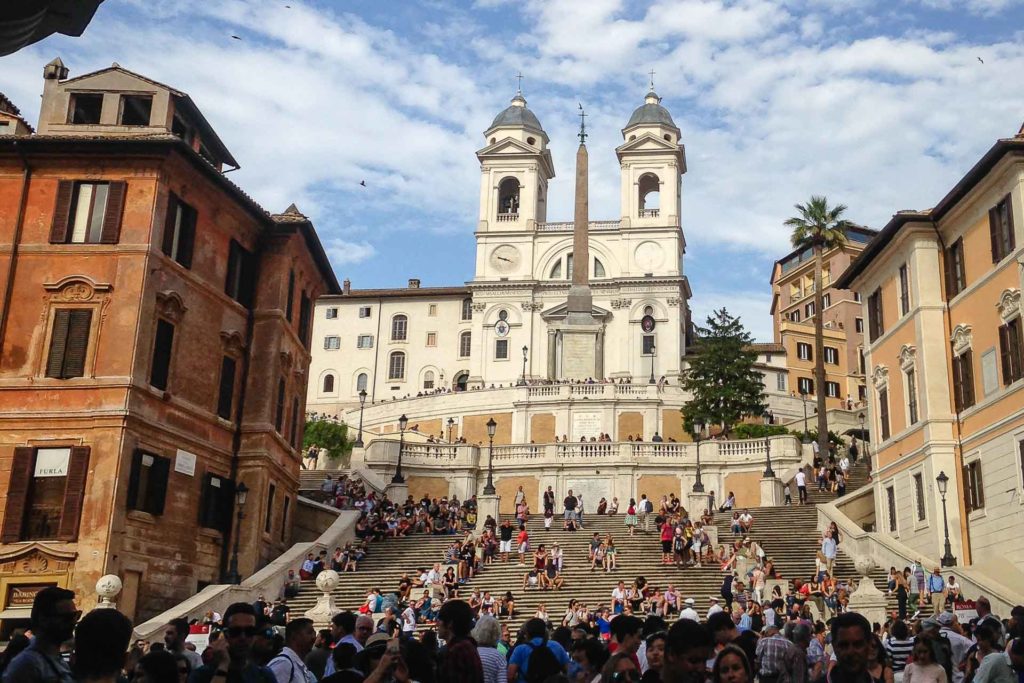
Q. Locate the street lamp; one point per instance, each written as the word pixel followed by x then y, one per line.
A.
pixel 698 431
pixel 241 491
pixel 403 422
pixel 947 557
pixel 522 382
pixel 652 364
pixel 769 473
pixel 492 426
pixel 362 403
pixel 451 423
pixel 803 398
pixel 863 438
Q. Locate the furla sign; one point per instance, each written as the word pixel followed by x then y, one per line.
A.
pixel 52 462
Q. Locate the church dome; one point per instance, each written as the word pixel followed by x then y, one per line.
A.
pixel 517 114
pixel 651 113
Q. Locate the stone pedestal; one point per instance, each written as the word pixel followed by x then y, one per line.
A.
pixel 487 505
pixel 107 589
pixel 867 600
pixel 772 493
pixel 397 492
pixel 697 503
pixel 581 357
pixel 321 613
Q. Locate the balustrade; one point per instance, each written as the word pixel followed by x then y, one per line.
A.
pixel 650 213
pixel 507 217
pixel 567 226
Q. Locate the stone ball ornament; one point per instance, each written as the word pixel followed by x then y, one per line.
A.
pixel 864 564
pixel 327 580
pixel 107 589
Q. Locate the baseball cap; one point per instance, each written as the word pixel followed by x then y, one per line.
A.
pixel 690 601
pixel 946 618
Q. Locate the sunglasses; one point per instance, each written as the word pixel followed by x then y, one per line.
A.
pixel 238 631
pixel 631 675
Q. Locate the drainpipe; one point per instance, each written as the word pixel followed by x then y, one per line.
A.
pixel 12 263
pixel 376 351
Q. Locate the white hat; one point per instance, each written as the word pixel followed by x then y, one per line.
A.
pixel 712 598
pixel 690 601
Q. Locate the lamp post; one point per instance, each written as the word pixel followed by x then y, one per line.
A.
pixel 698 431
pixel 451 423
pixel 492 426
pixel 803 398
pixel 652 364
pixel 863 438
pixel 362 403
pixel 522 382
pixel 241 492
pixel 403 422
pixel 947 557
pixel 769 473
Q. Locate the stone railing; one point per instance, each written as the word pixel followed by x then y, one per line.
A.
pixel 508 217
pixel 649 213
pixel 567 226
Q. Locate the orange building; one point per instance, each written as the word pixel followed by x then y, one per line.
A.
pixel 941 290
pixel 154 345
pixel 793 321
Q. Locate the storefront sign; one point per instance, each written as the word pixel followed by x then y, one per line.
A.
pixel 199 634
pixel 52 462
pixel 965 610
pixel 185 463
pixel 24 595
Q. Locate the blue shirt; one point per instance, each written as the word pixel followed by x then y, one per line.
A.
pixel 521 655
pixel 936 584
pixel 828 548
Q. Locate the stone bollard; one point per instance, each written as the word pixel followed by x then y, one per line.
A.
pixel 867 600
pixel 321 613
pixel 107 588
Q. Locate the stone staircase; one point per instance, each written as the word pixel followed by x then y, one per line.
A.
pixel 787 534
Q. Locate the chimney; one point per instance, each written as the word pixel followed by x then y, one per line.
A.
pixel 414 283
pixel 346 286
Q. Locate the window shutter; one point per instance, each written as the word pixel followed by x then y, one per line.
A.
pixel 226 394
pixel 162 346
pixel 1012 238
pixel 225 505
pixel 77 342
pixel 156 491
pixel 965 477
pixel 290 303
pixel 947 267
pixel 967 376
pixel 62 212
pixel 133 480
pixel 247 279
pixel 17 493
pixel 187 236
pixel 58 343
pixel 74 493
pixel 172 211
pixel 979 484
pixel 111 232
pixel 993 232
pixel 1004 354
pixel 229 280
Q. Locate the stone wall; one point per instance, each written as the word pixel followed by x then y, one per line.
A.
pixel 630 424
pixel 657 485
pixel 432 487
pixel 474 428
pixel 746 486
pixel 507 486
pixel 672 426
pixel 542 428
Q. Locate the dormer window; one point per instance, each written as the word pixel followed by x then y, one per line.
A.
pixel 136 109
pixel 86 108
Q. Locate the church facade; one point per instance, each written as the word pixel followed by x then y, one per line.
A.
pixel 507 326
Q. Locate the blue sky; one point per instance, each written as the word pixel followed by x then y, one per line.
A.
pixel 879 105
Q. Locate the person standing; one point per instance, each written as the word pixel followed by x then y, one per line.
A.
pixel 520 496
pixel 460 661
pixel 549 501
pixel 985 616
pixel 101 639
pixel 794 661
pixel 53 623
pixel 937 591
pixel 801 485
pixel 644 509
pixel 688 647
pixel 851 643
pixel 174 640
pixel 569 507
pixel 230 658
pixel 290 665
pixel 828 549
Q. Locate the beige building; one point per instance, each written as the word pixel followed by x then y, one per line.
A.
pixel 941 294
pixel 793 321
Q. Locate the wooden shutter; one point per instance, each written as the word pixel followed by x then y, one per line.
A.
pixel 156 490
pixel 79 323
pixel 967 377
pixel 17 494
pixel 979 484
pixel 62 212
pixel 247 279
pixel 133 480
pixel 111 232
pixel 170 219
pixel 226 395
pixel 965 477
pixel 1004 354
pixel 994 225
pixel 1011 243
pixel 162 346
pixel 230 287
pixel 74 493
pixel 187 235
pixel 279 409
pixel 290 303
pixel 883 412
pixel 58 343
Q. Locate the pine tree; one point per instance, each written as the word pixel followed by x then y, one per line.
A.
pixel 721 377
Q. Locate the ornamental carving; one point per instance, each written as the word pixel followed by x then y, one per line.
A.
pixel 621 303
pixel 286 360
pixel 34 559
pixel 961 339
pixel 169 305
pixel 1009 303
pixel 880 377
pixel 675 301
pixel 531 305
pixel 907 356
pixel 478 308
pixel 75 289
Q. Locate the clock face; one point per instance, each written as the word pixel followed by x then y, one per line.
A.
pixel 505 258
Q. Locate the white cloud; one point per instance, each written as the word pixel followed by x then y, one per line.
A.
pixel 751 307
pixel 342 252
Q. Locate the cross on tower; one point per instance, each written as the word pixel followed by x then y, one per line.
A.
pixel 583 125
pixel 651 72
pixel 519 79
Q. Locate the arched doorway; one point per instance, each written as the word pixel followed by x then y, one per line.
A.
pixel 460 381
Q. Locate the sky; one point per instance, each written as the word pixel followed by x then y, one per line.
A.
pixel 878 105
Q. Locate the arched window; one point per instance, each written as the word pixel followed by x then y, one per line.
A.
pixel 328 384
pixel 465 344
pixel 649 188
pixel 362 380
pixel 467 309
pixel 461 381
pixel 598 268
pixel 428 379
pixel 508 198
pixel 396 365
pixel 556 270
pixel 648 310
pixel 399 328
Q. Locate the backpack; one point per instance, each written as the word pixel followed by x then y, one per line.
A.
pixel 541 664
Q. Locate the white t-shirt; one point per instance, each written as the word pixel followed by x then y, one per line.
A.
pixel 746 518
pixel 690 613
pixel 408 620
pixel 714 609
pixel 618 593
pixel 801 478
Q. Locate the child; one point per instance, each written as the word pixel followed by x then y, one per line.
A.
pixel 549 515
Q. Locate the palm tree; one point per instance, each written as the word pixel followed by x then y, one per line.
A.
pixel 820 227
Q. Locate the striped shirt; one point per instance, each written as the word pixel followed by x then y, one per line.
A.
pixel 899 651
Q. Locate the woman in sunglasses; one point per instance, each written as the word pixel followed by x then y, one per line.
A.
pixel 620 668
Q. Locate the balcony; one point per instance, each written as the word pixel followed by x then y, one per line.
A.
pixel 508 217
pixel 649 213
pixel 567 226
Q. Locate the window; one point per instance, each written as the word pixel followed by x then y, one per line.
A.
pixel 568 266
pixel 862 393
pixel 826 300
pixel 285 509
pixel 832 389
pixel 147 482
pixel 289 304
pixel 809 310
pixel 86 108
pixel 861 363
pixel 875 325
pixel 974 488
pixel 135 110
pixel 648 310
pixel 1011 351
pixel 858 325
pixel 332 343
pixel 803 351
pixel 805 385
pixel 69 342
pixel 883 412
pixel 241 275
pixel 919 496
pixel 598 269
pixel 904 290
pixel 362 380
pixel 226 393
pixel 956 277
pixel 1000 226
pixel 501 349
pixel 780 381
pixel 328 385
pixel 88 213
pixel 428 379
pixel 647 348
pixel 467 309
pixel 332 314
pixel 890 506
pixel 795 316
pixel 179 231
pixel 268 520
pixel 431 338
pixel 856 297
pixel 216 502
pixel 364 341
pixel 396 365
pixel 44 494
pixel 831 355
pixel 364 311
pixel 911 382
pixel 160 371
pixel 399 328
pixel 305 313
pixel 295 434
pixel 465 344
pixel 963 381
pixel 279 407
pixel 432 310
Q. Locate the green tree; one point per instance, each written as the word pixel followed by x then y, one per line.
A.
pixel 820 228
pixel 330 435
pixel 721 377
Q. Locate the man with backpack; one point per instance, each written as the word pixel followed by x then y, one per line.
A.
pixel 535 653
pixel 643 512
pixel 290 665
